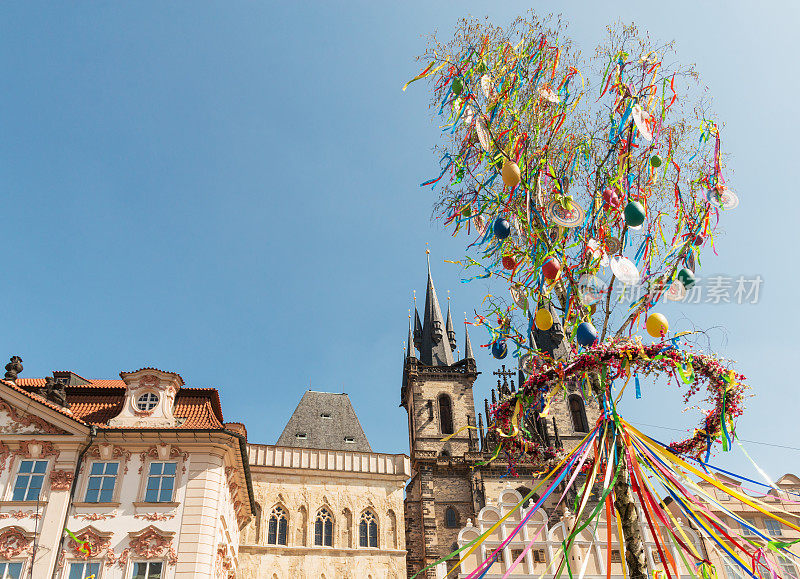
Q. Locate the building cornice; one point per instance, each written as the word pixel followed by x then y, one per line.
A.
pixel 395 466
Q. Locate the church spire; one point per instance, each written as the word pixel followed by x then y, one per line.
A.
pixel 410 346
pixel 435 350
pixel 468 355
pixel 451 333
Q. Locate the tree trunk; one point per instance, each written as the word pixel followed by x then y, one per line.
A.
pixel 629 518
pixel 626 506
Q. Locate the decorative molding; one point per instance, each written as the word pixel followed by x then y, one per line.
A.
pixel 96 516
pixel 26 420
pixel 61 480
pixel 116 453
pixel 98 542
pixel 5 452
pixel 155 516
pixel 21 515
pixel 47 449
pixel 121 560
pixel 174 453
pixel 150 542
pixel 14 541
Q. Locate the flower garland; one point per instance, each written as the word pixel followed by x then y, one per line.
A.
pixel 627 359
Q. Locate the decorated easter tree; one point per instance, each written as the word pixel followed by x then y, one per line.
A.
pixel 588 187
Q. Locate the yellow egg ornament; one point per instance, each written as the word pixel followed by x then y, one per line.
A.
pixel 657 325
pixel 543 319
pixel 511 174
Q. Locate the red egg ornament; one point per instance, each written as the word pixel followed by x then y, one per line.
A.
pixel 551 267
pixel 612 197
pixel 509 262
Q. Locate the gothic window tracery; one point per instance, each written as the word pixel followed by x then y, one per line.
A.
pixel 278 525
pixel 445 414
pixel 368 529
pixel 323 528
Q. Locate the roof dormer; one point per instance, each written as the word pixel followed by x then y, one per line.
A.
pixel 149 399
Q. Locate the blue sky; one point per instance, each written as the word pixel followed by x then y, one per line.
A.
pixel 230 191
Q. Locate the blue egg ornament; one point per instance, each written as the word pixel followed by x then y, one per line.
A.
pixel 499 349
pixel 501 228
pixel 586 334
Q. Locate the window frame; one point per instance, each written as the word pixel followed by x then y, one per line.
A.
pixel 285 517
pixel 142 395
pixel 773 527
pixel 88 475
pixel 13 480
pixel 22 569
pixel 584 419
pixel 134 562
pixel 372 518
pixel 455 518
pixel 146 479
pixel 70 562
pixel 327 523
pixel 445 426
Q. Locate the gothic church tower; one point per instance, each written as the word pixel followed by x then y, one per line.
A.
pixel 437 394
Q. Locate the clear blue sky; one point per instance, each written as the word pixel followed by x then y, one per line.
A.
pixel 230 191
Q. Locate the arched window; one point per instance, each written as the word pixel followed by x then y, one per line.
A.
pixel 278 523
pixel 323 528
pixel 578 413
pixel 392 530
pixel 445 414
pixel 368 529
pixel 450 518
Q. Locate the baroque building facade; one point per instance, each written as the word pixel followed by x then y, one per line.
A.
pixel 143 472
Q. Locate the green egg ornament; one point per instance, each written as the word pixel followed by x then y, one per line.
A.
pixel 466 211
pixel 634 214
pixel 655 161
pixel 457 86
pixel 686 277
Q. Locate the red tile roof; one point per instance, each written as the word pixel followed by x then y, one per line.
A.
pixel 102 400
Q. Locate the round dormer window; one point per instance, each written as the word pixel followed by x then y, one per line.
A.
pixel 147 401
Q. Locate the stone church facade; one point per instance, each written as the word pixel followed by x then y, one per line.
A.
pixel 448 446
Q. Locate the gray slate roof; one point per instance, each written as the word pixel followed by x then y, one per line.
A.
pixel 325 432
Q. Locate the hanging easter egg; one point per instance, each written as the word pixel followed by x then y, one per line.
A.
pixel 509 262
pixel 483 135
pixel 722 197
pixel 458 86
pixel 487 87
pixel 624 270
pixel 644 122
pixel 543 319
pixel 612 197
pixel 592 289
pixel 657 325
pixel 551 267
pixel 586 334
pixel 519 295
pixel 511 174
pixel 613 245
pixel 686 277
pixel 698 240
pixel 501 228
pixel 547 94
pixel 655 161
pixel 634 214
pixel 482 68
pixel 676 292
pixel 466 211
pixel 499 349
pixel 570 216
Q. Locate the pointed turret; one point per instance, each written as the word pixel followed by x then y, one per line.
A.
pixel 451 333
pixel 435 351
pixel 468 355
pixel 410 347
